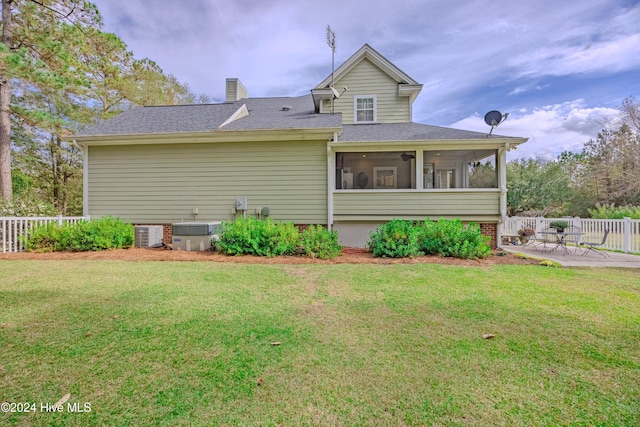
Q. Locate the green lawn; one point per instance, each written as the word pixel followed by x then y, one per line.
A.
pixel 164 343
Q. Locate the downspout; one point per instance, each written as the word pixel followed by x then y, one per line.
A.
pixel 85 178
pixel 502 182
pixel 331 177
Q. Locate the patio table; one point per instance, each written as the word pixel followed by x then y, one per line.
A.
pixel 561 238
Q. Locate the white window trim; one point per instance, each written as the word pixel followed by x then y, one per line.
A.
pixel 355 108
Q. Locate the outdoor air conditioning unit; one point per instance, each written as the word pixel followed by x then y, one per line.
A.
pixel 148 236
pixel 194 236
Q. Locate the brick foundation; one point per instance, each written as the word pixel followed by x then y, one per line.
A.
pixel 302 227
pixel 490 230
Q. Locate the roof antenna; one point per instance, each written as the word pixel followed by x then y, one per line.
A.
pixel 331 41
pixel 494 118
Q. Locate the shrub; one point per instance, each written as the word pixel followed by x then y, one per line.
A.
pixel 614 212
pixel 452 238
pixel 559 224
pixel 279 238
pixel 255 237
pixel 95 235
pixel 395 239
pixel 45 238
pixel 318 242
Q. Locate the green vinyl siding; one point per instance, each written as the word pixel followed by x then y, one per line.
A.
pixel 367 79
pixel 471 205
pixel 165 183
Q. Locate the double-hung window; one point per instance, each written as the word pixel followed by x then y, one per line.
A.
pixel 365 109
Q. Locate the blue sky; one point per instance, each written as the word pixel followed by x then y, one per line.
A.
pixel 560 68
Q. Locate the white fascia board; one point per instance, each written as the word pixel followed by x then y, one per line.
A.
pixel 320 94
pixel 409 90
pixel 376 58
pixel 260 135
pixel 444 145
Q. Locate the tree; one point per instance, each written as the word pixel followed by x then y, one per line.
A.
pixel 6 191
pixel 33 51
pixel 613 166
pixel 630 111
pixel 482 175
pixel 536 186
pixel 63 74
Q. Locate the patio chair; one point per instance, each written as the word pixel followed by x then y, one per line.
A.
pixel 593 246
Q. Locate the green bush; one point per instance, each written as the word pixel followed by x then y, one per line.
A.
pixel 614 212
pixel 451 238
pixel 255 237
pixel 396 239
pixel 559 224
pixel 45 238
pixel 318 242
pixel 95 235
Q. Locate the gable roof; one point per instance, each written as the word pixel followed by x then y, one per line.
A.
pixel 406 85
pixel 372 55
pixel 245 114
pixel 279 114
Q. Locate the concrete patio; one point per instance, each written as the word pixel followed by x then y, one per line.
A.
pixel 576 258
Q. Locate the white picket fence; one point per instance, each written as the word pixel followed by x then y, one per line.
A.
pixel 624 234
pixel 13 230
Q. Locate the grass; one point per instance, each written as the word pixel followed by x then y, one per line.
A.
pixel 170 344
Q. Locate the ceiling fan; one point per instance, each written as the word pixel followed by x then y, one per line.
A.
pixel 406 157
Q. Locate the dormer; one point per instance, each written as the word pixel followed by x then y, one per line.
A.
pixel 376 90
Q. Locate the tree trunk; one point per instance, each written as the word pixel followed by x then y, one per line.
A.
pixel 6 191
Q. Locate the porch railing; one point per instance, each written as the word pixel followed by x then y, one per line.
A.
pixel 13 230
pixel 624 234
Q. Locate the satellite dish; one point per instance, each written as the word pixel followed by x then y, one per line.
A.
pixel 494 118
pixel 335 92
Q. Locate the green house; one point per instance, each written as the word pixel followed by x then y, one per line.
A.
pixel 347 156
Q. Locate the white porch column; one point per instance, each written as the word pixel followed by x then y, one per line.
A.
pixel 419 169
pixel 502 185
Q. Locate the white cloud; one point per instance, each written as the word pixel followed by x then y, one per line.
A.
pixel 277 48
pixel 551 129
pixel 434 41
pixel 620 54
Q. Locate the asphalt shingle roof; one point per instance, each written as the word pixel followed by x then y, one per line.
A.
pixel 406 132
pixel 264 114
pixel 268 113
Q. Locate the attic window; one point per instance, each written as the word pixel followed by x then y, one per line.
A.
pixel 364 109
